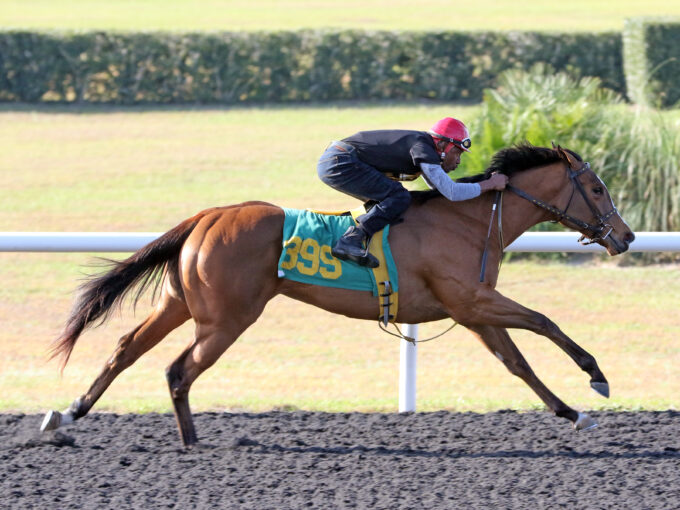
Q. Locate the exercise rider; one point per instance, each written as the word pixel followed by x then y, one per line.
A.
pixel 369 164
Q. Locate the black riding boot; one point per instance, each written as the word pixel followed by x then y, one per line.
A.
pixel 351 247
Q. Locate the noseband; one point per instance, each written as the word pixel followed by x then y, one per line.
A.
pixel 598 232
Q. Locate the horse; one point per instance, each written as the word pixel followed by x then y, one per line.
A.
pixel 219 268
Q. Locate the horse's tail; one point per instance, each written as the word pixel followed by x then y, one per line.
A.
pixel 101 293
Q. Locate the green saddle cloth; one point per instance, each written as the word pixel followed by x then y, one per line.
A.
pixel 306 256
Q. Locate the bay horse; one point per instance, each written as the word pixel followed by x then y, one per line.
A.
pixel 219 268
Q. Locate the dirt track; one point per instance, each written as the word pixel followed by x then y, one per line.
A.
pixel 317 460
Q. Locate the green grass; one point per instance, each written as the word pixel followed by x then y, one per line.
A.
pixel 184 15
pixel 147 169
pixel 104 169
pixel 284 362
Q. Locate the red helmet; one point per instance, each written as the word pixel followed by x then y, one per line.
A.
pixel 453 131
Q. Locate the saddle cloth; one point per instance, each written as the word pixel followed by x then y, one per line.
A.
pixel 306 257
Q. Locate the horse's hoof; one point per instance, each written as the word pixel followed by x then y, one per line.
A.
pixel 51 421
pixel 54 419
pixel 601 387
pixel 584 422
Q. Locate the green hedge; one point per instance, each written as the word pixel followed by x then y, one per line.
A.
pixel 237 67
pixel 652 60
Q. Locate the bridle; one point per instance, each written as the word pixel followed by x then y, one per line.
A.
pixel 595 233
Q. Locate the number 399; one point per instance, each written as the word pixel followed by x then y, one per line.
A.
pixel 314 258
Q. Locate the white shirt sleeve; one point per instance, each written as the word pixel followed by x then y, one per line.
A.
pixel 436 178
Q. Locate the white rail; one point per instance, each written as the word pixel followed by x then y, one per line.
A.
pixel 132 241
pixel 75 241
pixel 568 241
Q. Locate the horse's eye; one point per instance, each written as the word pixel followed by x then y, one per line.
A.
pixel 598 190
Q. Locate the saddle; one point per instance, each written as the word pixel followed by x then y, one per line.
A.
pixel 306 257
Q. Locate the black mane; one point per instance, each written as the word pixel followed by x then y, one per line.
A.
pixel 507 161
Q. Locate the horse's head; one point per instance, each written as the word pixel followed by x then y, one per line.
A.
pixel 589 207
pixel 568 189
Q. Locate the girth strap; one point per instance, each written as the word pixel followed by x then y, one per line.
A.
pixel 388 299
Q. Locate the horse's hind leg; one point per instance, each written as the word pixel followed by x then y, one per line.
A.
pixel 170 313
pixel 212 340
pixel 498 341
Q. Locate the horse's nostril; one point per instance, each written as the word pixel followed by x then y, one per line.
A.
pixel 629 237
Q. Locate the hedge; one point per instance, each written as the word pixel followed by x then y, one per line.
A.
pixel 652 60
pixel 236 67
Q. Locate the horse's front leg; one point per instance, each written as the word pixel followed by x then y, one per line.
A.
pixel 498 341
pixel 491 308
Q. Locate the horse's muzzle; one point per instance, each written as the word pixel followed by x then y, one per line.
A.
pixel 619 246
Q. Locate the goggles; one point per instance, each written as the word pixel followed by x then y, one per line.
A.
pixel 466 143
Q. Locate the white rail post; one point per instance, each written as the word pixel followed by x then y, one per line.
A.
pixel 408 356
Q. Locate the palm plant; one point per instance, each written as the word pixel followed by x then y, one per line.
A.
pixel 650 187
pixel 635 150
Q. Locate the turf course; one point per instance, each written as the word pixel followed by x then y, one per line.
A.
pixel 146 169
pixel 183 15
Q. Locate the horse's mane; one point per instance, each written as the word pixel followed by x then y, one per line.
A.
pixel 507 161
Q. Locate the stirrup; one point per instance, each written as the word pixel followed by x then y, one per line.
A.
pixel 366 259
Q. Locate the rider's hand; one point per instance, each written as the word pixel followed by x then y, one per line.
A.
pixel 495 182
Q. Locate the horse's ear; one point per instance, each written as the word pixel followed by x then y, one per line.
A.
pixel 566 157
pixel 553 145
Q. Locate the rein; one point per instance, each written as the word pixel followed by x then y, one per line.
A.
pixel 497 204
pixel 410 338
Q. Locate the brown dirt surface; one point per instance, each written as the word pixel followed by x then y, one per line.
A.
pixel 344 460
